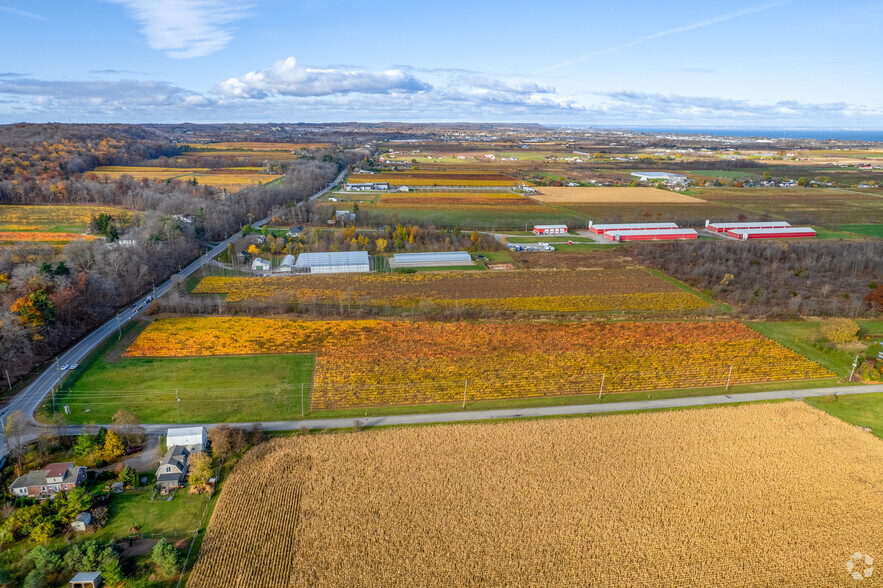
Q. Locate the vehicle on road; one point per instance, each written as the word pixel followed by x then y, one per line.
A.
pixel 64 367
pixel 74 366
pixel 131 450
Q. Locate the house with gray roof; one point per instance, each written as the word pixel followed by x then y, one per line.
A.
pixel 46 483
pixel 172 468
pixel 86 580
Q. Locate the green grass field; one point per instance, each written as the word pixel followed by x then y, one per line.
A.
pixel 490 219
pixel 866 230
pixel 864 410
pixel 211 389
pixel 174 519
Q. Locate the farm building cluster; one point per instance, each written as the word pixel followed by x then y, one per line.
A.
pixel 642 232
pixel 759 230
pixel 341 262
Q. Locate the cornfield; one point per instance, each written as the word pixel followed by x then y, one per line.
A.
pixel 761 495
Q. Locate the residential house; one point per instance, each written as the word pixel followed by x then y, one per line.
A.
pixel 172 468
pixel 46 483
pixel 194 439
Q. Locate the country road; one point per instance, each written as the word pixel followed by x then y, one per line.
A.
pixel 30 398
pixel 514 413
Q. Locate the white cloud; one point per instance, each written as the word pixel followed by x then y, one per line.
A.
pixel 509 86
pixel 186 28
pixel 125 95
pixel 285 78
pixel 22 13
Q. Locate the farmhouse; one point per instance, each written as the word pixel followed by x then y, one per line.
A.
pixel 333 262
pixel 46 483
pixel 550 229
pixel 192 438
pixel 447 258
pixel 344 216
pixel 260 265
pixel 172 468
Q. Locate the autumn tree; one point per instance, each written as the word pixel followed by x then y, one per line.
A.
pixel 840 330
pixel 17 426
pixel 113 446
pixel 128 425
pixel 199 466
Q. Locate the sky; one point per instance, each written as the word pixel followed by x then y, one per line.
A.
pixel 779 64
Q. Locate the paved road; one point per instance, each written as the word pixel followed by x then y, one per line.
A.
pixel 545 411
pixel 30 398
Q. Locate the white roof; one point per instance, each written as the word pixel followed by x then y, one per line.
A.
pixel 635 226
pixel 659 175
pixel 260 260
pixel 653 232
pixel 550 227
pixel 86 577
pixel 333 258
pixel 758 225
pixel 774 231
pixel 433 257
pixel 288 260
pixel 186 432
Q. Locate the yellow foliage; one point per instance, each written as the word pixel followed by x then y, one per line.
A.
pixel 840 330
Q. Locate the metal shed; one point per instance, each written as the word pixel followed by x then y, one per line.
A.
pixel 431 259
pixel 333 262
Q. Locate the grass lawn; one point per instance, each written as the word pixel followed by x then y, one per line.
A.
pixel 552 239
pixel 866 230
pixel 497 219
pixel 173 519
pixel 864 410
pixel 798 335
pixel 823 233
pixel 211 389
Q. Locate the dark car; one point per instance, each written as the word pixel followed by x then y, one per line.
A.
pixel 131 450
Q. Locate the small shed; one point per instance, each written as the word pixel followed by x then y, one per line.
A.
pixel 193 438
pixel 550 229
pixel 260 265
pixel 86 580
pixel 83 520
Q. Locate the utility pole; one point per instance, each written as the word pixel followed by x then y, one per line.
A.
pixel 53 399
pixel 730 375
pixel 601 389
pixel 854 365
pixel 179 405
pixel 302 399
pixel 119 326
pixel 465 385
pixel 8 381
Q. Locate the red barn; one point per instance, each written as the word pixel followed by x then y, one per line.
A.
pixel 550 230
pixel 601 229
pixel 658 235
pixel 780 233
pixel 724 227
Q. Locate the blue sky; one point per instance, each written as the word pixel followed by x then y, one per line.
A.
pixel 776 64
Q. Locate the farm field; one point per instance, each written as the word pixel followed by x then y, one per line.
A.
pixel 252 146
pixel 826 205
pixel 541 291
pixel 493 218
pixel 679 498
pixel 50 218
pixel 387 363
pixel 211 389
pixel 498 200
pixel 228 178
pixel 30 236
pixel 439 178
pixel 623 196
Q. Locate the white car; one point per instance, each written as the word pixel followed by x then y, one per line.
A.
pixel 64 367
pixel 74 366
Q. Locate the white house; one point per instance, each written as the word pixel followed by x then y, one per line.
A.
pixel 260 265
pixel 193 438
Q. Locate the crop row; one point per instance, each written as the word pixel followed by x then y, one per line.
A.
pixel 542 290
pixel 374 363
